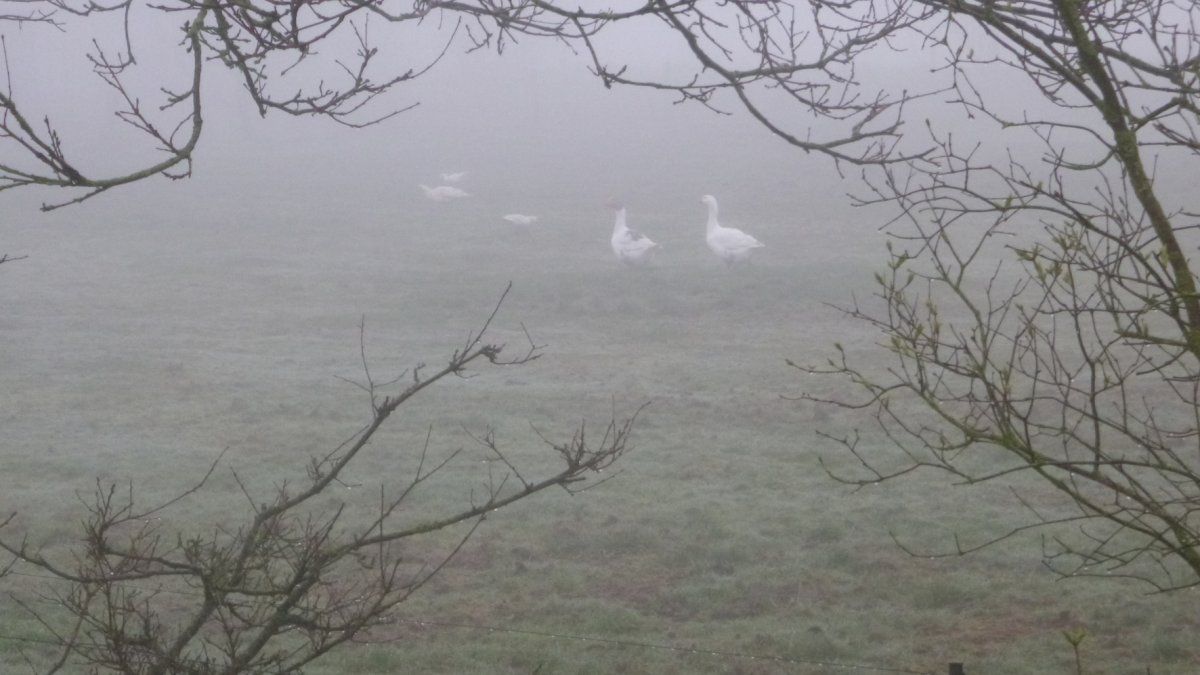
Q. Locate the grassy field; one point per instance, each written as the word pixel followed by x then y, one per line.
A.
pixel 139 343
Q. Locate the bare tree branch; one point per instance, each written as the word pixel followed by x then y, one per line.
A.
pixel 298 577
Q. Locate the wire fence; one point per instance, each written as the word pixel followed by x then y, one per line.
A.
pixel 553 635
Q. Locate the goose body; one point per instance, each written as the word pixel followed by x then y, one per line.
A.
pixel 454 177
pixel 443 193
pixel 520 219
pixel 728 243
pixel 630 246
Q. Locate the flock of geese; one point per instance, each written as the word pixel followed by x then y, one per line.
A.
pixel 631 247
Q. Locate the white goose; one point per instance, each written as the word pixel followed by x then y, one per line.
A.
pixel 520 219
pixel 443 193
pixel 630 246
pixel 729 243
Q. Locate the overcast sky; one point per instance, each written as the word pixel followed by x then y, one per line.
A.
pixel 534 114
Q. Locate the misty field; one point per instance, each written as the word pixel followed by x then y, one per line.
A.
pixel 139 343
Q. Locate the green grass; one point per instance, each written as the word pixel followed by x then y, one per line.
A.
pixel 142 344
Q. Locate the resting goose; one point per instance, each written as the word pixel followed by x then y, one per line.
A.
pixel 729 243
pixel 630 246
pixel 520 219
pixel 444 193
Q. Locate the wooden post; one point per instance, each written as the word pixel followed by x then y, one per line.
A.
pixel 957 669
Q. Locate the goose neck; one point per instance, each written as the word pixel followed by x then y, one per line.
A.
pixel 619 223
pixel 712 218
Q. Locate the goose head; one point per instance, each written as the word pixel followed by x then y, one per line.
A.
pixel 709 201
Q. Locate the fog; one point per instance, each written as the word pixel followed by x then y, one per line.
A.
pixel 531 121
pixel 162 323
